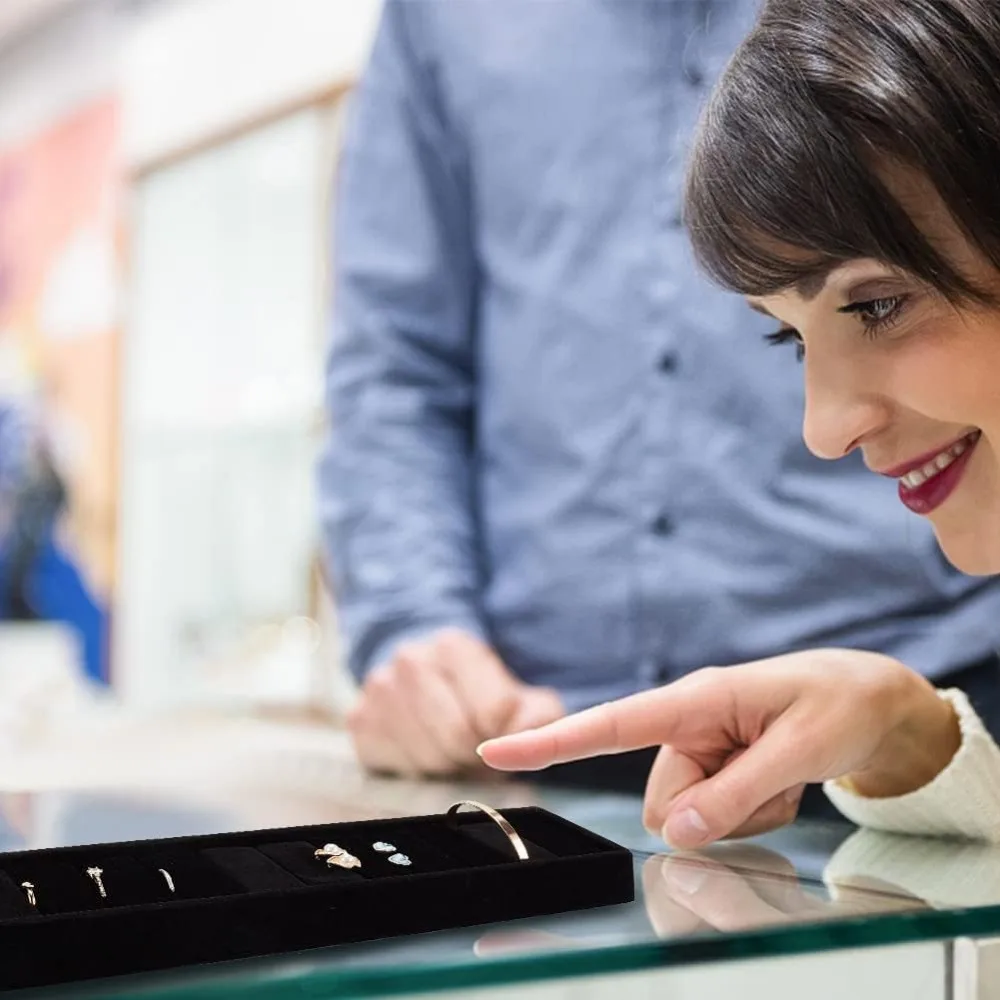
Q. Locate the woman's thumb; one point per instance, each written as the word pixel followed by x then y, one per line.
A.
pixel 714 808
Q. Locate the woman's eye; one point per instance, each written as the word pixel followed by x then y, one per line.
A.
pixel 786 335
pixel 879 309
pixel 877 314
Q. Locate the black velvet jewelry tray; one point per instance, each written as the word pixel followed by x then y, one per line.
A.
pixel 263 892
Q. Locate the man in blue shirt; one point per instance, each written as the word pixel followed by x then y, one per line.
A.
pixel 562 468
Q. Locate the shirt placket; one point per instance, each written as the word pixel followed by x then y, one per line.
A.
pixel 661 518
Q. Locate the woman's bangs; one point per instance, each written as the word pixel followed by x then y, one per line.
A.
pixel 779 192
pixel 766 211
pixel 735 242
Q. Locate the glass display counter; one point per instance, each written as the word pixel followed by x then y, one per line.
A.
pixel 818 909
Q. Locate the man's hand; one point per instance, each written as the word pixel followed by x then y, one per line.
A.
pixel 426 710
pixel 740 743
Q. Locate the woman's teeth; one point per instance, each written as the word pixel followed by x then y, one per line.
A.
pixel 939 463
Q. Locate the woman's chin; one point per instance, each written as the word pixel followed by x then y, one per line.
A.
pixel 974 552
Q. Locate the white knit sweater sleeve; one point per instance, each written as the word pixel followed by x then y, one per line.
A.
pixel 962 801
pixel 943 873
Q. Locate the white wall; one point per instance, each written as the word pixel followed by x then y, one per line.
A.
pixel 223 374
pixel 218 524
pixel 192 68
pixel 56 68
pixel 186 68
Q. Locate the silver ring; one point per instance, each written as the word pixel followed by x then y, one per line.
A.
pixel 167 877
pixel 95 874
pixel 337 857
pixel 29 891
pixel 508 831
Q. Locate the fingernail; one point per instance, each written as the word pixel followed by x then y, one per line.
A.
pixel 793 793
pixel 685 878
pixel 479 749
pixel 686 829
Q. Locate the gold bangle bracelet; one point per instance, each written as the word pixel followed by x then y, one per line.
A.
pixel 508 831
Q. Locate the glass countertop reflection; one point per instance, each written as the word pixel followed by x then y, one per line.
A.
pixel 811 887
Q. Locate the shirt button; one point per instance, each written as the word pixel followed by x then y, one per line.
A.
pixel 662 525
pixel 668 362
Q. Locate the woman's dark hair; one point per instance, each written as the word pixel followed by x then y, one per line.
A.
pixel 786 179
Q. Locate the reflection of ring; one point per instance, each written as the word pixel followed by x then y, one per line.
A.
pixel 509 832
pixel 337 856
pixel 167 878
pixel 95 874
pixel 29 891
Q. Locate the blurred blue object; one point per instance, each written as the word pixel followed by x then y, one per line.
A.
pixel 56 592
pixel 14 438
pixel 38 580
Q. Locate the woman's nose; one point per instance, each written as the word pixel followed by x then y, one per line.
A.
pixel 840 414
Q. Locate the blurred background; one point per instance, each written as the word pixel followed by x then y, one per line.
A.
pixel 166 170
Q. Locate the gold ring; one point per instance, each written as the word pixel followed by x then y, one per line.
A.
pixel 95 874
pixel 167 878
pixel 509 832
pixel 337 857
pixel 29 891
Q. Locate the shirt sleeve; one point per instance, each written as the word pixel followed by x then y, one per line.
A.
pixel 963 801
pixel 396 489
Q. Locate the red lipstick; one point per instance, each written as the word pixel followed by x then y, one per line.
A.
pixel 923 493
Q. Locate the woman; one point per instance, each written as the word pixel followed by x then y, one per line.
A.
pixel 845 179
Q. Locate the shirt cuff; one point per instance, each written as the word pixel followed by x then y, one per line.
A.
pixel 962 801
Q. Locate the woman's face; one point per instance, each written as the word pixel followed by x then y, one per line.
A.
pixel 895 370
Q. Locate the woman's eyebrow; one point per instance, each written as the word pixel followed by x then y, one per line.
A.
pixel 812 284
pixel 808 287
pixel 873 288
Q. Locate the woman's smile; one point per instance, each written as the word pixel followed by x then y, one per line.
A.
pixel 927 481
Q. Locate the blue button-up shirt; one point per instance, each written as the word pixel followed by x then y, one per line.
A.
pixel 547 427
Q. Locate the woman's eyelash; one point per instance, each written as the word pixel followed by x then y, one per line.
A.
pixel 786 335
pixel 877 315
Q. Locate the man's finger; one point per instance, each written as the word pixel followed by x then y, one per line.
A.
pixel 392 717
pixel 439 711
pixel 641 720
pixel 481 680
pixel 537 706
